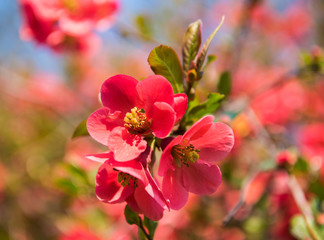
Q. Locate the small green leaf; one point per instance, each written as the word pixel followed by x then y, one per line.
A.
pixel 191 44
pixel 131 216
pixel 77 173
pixel 81 130
pixel 210 58
pixel 225 83
pixel 140 234
pixel 299 229
pixel 164 61
pixel 317 187
pixel 67 186
pixel 209 106
pixel 301 165
pixel 200 58
pixel 144 25
pixel 150 225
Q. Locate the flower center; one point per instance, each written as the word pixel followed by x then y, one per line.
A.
pixel 71 5
pixel 136 121
pixel 126 179
pixel 184 154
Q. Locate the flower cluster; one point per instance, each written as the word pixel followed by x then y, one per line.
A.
pixel 135 120
pixel 66 24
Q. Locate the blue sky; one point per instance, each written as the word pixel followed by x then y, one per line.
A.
pixel 16 53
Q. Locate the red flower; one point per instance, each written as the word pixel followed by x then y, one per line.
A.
pixel 79 233
pixel 67 24
pixel 117 182
pixel 187 162
pixel 133 109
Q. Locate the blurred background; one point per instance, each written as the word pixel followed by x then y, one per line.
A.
pixel 269 64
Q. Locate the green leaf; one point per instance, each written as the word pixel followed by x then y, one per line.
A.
pixel 81 130
pixel 77 173
pixel 225 83
pixel 317 187
pixel 298 228
pixel 140 234
pixel 164 61
pixel 144 25
pixel 301 165
pixel 191 44
pixel 210 58
pixel 200 59
pixel 208 107
pixel 150 225
pixel 67 186
pixel 131 216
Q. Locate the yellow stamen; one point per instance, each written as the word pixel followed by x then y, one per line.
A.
pixel 184 154
pixel 136 121
pixel 125 179
pixel 70 4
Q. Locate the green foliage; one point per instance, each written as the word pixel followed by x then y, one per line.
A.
pixel 225 83
pixel 81 130
pixel 141 235
pixel 301 165
pixel 76 181
pixel 207 107
pixel 193 59
pixel 77 173
pixel 300 230
pixel 144 25
pixel 131 216
pixel 255 226
pixel 202 54
pixel 191 44
pixel 210 58
pixel 317 187
pixel 66 185
pixel 150 225
pixel 164 61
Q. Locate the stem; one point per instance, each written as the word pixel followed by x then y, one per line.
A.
pixel 241 202
pixel 302 205
pixel 234 210
pixel 143 229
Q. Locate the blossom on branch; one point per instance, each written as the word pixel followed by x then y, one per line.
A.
pixel 117 182
pixel 132 110
pixel 67 24
pixel 187 163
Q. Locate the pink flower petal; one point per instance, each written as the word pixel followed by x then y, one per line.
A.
pixel 107 188
pixel 166 158
pixel 216 143
pixel 163 117
pixel 124 145
pixel 101 122
pixel 150 208
pixel 199 128
pixel 75 27
pixel 153 89
pixel 133 168
pixel 180 105
pixel 100 157
pixel 119 93
pixel 173 190
pixel 201 178
pixel 154 191
pixel 133 204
